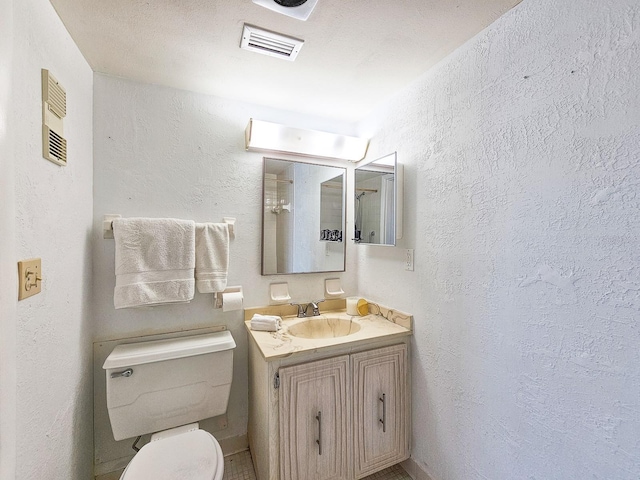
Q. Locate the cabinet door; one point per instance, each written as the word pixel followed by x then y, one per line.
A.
pixel 380 406
pixel 314 420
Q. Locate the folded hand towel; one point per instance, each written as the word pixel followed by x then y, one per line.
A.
pixel 266 323
pixel 259 316
pixel 212 256
pixel 154 261
pixel 264 328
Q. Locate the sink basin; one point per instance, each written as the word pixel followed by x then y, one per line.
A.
pixel 324 327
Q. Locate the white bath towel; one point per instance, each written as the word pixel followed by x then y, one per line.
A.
pixel 155 261
pixel 266 323
pixel 212 257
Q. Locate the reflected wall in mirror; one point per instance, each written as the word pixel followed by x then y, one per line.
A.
pixel 376 202
pixel 303 217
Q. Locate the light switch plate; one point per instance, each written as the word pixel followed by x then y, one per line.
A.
pixel 29 278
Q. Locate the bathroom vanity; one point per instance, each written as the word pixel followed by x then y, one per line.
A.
pixel 329 395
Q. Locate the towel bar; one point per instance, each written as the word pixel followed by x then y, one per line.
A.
pixel 107 225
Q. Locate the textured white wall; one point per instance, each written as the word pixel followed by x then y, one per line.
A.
pixel 522 154
pixel 161 152
pixel 51 219
pixel 8 291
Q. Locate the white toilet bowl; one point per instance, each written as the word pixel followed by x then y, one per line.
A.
pixel 191 455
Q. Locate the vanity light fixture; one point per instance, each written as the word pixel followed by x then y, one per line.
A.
pixel 274 137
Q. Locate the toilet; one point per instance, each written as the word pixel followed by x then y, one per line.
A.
pixel 165 387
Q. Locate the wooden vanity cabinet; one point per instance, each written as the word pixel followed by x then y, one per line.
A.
pixel 314 420
pixel 380 409
pixel 323 419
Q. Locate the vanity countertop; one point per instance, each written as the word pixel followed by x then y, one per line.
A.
pixel 387 325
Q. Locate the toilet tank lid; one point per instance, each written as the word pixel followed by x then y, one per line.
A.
pixel 128 354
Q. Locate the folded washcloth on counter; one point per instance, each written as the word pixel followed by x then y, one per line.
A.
pixel 265 323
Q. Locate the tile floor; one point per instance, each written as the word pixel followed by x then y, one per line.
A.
pixel 240 467
pixel 392 473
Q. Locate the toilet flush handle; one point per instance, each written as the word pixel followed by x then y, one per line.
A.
pixel 125 373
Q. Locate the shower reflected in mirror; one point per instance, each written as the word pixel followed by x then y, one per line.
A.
pixel 376 193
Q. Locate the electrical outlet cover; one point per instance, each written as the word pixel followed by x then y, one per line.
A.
pixel 29 278
pixel 408 264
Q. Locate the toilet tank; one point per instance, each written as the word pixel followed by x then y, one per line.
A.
pixel 161 384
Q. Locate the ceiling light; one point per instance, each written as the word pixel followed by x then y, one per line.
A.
pixel 263 41
pixel 273 137
pixel 300 9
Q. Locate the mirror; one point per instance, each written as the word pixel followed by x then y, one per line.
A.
pixel 303 215
pixel 377 209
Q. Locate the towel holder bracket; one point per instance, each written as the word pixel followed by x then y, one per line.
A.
pixel 230 221
pixel 107 225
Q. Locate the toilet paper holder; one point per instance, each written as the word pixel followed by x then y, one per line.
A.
pixel 217 302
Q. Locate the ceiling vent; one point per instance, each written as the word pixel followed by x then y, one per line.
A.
pixel 54 109
pixel 300 9
pixel 269 43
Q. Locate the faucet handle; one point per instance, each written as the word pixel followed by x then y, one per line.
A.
pixel 302 309
pixel 314 306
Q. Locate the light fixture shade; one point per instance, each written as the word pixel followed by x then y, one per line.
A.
pixel 273 137
pixel 300 11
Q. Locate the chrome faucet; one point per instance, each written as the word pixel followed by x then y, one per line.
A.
pixel 302 308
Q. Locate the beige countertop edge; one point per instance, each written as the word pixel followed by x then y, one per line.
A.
pixel 340 348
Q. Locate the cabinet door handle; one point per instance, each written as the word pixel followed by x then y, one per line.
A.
pixel 319 440
pixel 383 420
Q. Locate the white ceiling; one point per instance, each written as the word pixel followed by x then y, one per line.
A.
pixel 356 54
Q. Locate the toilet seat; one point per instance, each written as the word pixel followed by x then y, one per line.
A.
pixel 193 455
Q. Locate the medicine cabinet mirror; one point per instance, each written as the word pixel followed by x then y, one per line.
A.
pixel 303 217
pixel 377 208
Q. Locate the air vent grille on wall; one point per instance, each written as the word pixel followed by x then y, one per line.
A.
pixel 55 146
pixel 54 95
pixel 269 43
pixel 54 109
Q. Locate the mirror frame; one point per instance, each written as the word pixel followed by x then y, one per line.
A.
pixel 344 215
pixel 389 159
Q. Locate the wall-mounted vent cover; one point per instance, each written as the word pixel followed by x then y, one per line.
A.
pixel 54 146
pixel 54 109
pixel 269 43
